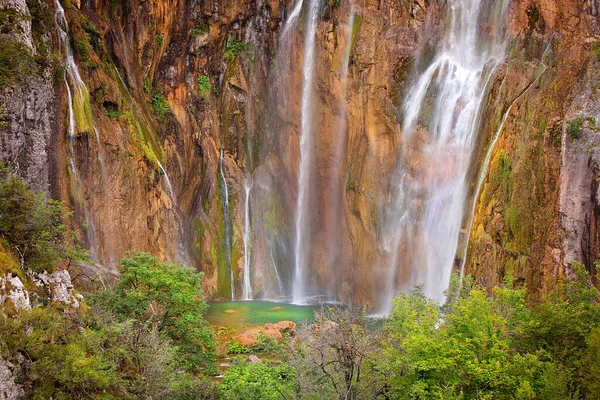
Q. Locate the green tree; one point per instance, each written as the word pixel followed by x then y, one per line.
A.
pixel 168 298
pixel 33 225
pixel 247 381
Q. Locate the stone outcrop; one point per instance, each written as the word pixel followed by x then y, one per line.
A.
pixel 273 331
pixel 9 390
pixel 58 284
pixel 12 290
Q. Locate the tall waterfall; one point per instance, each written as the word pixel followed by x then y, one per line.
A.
pixel 440 130
pixel 77 99
pixel 306 152
pixel 227 221
pixel 247 250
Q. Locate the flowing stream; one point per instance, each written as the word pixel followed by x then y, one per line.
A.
pixel 441 121
pixel 306 154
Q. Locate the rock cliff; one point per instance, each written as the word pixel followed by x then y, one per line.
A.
pixel 170 84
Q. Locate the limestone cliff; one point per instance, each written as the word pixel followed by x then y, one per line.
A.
pixel 169 84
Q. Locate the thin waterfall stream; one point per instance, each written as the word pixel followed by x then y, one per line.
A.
pixel 227 221
pixel 247 248
pixel 306 152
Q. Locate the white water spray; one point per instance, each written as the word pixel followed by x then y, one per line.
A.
pixel 306 150
pixel 441 126
pixel 247 250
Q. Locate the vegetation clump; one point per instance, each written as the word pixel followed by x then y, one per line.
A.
pixel 233 48
pixel 160 107
pixel 16 61
pixel 204 86
pixel 33 225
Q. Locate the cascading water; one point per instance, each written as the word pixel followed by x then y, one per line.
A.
pixel 247 251
pixel 306 151
pixel 77 96
pixel 227 221
pixel 440 131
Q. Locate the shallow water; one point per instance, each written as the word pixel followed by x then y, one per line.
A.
pixel 240 315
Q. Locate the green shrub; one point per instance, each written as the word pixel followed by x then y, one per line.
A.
pixel 16 61
pixel 33 225
pixel 233 48
pixel 159 40
pixel 168 297
pixel 237 348
pixel 204 86
pixel 259 382
pixel 575 127
pixel 160 107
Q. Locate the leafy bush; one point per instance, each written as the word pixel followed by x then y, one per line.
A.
pixel 160 107
pixel 237 348
pixel 575 127
pixel 233 48
pixel 248 381
pixel 204 86
pixel 33 225
pixel 16 61
pixel 168 298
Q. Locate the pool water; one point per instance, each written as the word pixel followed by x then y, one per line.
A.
pixel 241 315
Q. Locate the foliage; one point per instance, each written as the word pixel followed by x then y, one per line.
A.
pixel 247 381
pixel 168 298
pixel 160 107
pixel 33 225
pixel 72 356
pixel 237 348
pixel 204 86
pixel 200 29
pixel 16 61
pixel 233 48
pixel 333 355
pixel 159 39
pixel 493 347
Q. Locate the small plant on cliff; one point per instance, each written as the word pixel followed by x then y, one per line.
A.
pixel 204 86
pixel 16 61
pixel 159 40
pixel 233 48
pixel 575 127
pixel 160 107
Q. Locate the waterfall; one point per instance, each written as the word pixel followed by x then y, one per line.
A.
pixel 247 252
pixel 77 96
pixel 441 126
pixel 168 183
pixel 306 151
pixel 227 221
